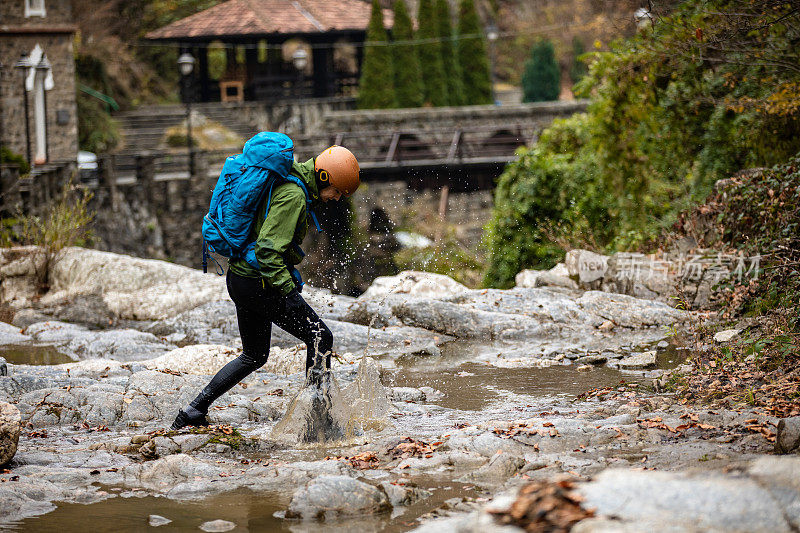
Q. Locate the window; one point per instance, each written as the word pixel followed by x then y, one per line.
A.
pixel 34 8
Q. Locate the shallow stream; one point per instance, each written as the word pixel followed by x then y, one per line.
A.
pixel 472 392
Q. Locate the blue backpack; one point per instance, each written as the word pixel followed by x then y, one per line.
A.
pixel 241 188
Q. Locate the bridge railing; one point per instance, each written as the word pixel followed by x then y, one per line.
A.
pixel 429 146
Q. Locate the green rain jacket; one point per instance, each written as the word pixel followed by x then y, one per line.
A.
pixel 286 223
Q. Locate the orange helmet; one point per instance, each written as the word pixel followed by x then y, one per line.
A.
pixel 338 166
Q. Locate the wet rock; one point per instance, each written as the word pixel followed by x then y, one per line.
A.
pixel 9 431
pixel 155 520
pixel 413 283
pixel 592 359
pixel 164 474
pixel 543 303
pixel 788 435
pixel 11 334
pixel 407 394
pixel 400 494
pixel 217 526
pixel 726 335
pixel 330 496
pixel 638 360
pixel 715 503
pixel 3 367
pixel 464 322
pixel 475 522
pixel 431 394
pixel 628 311
pixel 499 468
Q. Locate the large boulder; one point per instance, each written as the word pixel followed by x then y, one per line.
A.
pixel 132 288
pixel 650 499
pixel 414 283
pixel 331 496
pixel 9 431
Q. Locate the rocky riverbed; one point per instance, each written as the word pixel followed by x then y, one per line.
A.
pixel 457 399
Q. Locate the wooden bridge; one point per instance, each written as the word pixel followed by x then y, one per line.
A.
pixel 465 148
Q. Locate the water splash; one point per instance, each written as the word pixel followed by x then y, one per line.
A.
pixel 318 413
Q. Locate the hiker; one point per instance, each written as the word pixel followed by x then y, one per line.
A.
pixel 266 288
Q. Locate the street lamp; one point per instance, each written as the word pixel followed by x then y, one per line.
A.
pixel 42 70
pixel 2 129
pixel 185 66
pixel 300 61
pixel 23 65
pixel 492 33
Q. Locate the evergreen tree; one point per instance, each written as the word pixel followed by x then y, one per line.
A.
pixel 578 69
pixel 376 86
pixel 471 51
pixel 541 80
pixel 430 56
pixel 407 73
pixel 452 70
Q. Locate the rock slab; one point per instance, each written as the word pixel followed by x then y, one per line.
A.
pixel 9 431
pixel 706 503
pixel 330 496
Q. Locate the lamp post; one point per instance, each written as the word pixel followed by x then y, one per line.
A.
pixel 186 65
pixel 492 33
pixel 2 126
pixel 300 61
pixel 23 65
pixel 43 69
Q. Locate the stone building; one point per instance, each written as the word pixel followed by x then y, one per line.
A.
pixel 36 52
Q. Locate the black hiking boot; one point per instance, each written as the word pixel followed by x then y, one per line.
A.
pixel 183 420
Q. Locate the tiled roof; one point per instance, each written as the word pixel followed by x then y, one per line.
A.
pixel 260 17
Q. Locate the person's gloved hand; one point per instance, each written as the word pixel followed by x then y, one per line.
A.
pixel 294 303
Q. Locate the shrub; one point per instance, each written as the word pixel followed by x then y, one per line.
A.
pixel 541 80
pixel 7 156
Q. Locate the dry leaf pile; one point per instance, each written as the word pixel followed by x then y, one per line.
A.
pixel 409 447
pixel 545 507
pixel 360 461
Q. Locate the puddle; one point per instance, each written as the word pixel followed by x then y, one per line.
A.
pixel 33 355
pixel 471 386
pixel 248 510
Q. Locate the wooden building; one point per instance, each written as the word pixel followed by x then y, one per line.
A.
pixel 273 49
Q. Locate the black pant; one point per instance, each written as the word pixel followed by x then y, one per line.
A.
pixel 257 307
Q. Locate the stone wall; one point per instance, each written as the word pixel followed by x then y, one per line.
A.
pixel 54 36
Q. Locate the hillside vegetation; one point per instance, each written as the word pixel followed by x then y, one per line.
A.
pixel 697 94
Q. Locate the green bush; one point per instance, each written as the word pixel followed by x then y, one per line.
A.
pixel 578 69
pixel 7 156
pixel 376 87
pixel 407 72
pixel 541 80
